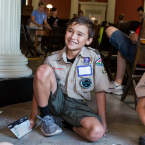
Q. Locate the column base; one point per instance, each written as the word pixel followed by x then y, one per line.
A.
pixel 14 66
pixel 15 91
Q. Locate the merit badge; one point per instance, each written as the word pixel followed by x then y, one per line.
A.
pixel 86 60
pixel 103 71
pixel 86 83
pixel 99 62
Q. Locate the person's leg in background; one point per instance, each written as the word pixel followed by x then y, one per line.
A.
pixel 121 68
pixel 116 87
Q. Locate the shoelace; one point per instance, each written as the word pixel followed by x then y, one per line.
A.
pixel 50 121
pixel 123 88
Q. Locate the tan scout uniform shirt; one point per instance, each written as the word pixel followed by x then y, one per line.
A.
pixel 140 88
pixel 67 74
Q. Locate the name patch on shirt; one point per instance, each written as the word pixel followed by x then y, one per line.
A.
pixel 57 68
pixel 84 70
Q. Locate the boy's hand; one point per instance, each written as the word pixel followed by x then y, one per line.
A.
pixel 39 25
pixel 32 123
pixel 105 128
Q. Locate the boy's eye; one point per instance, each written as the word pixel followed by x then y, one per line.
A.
pixel 69 31
pixel 80 34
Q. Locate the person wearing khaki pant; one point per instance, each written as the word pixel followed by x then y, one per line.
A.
pixel 37 19
pixel 140 92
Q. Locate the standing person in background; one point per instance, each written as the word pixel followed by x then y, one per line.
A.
pixel 140 11
pixel 80 13
pixel 96 22
pixel 121 19
pixel 52 21
pixel 74 15
pixel 38 17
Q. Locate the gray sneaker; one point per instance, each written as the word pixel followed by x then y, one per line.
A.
pixel 48 126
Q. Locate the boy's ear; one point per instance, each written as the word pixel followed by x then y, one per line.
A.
pixel 89 41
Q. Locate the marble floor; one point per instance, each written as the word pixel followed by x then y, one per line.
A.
pixel 123 122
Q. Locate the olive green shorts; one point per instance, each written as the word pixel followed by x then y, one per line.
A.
pixel 70 110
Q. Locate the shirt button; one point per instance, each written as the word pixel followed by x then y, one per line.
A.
pixel 70 80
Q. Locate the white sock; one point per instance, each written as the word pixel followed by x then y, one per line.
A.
pixel 116 84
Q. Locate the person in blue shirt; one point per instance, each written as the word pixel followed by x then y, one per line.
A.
pixel 38 16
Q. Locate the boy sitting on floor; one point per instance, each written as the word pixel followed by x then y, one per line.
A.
pixel 63 85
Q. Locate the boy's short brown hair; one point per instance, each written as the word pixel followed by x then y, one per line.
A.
pixel 121 17
pixel 81 20
pixel 41 3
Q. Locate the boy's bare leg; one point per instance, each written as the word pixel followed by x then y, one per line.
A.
pixel 91 129
pixel 44 83
pixel 121 68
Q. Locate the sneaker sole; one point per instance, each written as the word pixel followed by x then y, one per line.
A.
pixel 117 93
pixel 57 132
pixel 114 93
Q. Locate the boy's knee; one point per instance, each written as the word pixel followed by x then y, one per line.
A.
pixel 43 72
pixel 110 30
pixel 96 133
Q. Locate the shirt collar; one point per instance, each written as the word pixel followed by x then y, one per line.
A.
pixel 39 13
pixel 62 54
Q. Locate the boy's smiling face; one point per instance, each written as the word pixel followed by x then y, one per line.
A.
pixel 77 36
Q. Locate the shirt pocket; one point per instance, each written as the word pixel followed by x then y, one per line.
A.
pixel 61 77
pixel 81 81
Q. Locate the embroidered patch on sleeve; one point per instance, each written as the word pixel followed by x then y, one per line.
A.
pixel 99 62
pixel 103 71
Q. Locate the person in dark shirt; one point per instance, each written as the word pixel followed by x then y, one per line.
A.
pixel 52 21
pixel 74 15
pixel 80 13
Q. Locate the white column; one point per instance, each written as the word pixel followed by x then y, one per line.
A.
pixel 144 5
pixel 74 7
pixel 111 11
pixel 13 64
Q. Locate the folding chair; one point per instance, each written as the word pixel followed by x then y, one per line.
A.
pixel 27 40
pixel 136 72
pixel 56 40
pixel 108 54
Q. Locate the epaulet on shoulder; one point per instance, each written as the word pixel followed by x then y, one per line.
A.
pixel 53 53
pixel 95 50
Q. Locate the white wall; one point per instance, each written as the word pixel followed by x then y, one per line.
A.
pixel 74 8
pixel 35 4
pixel 94 7
pixel 111 11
